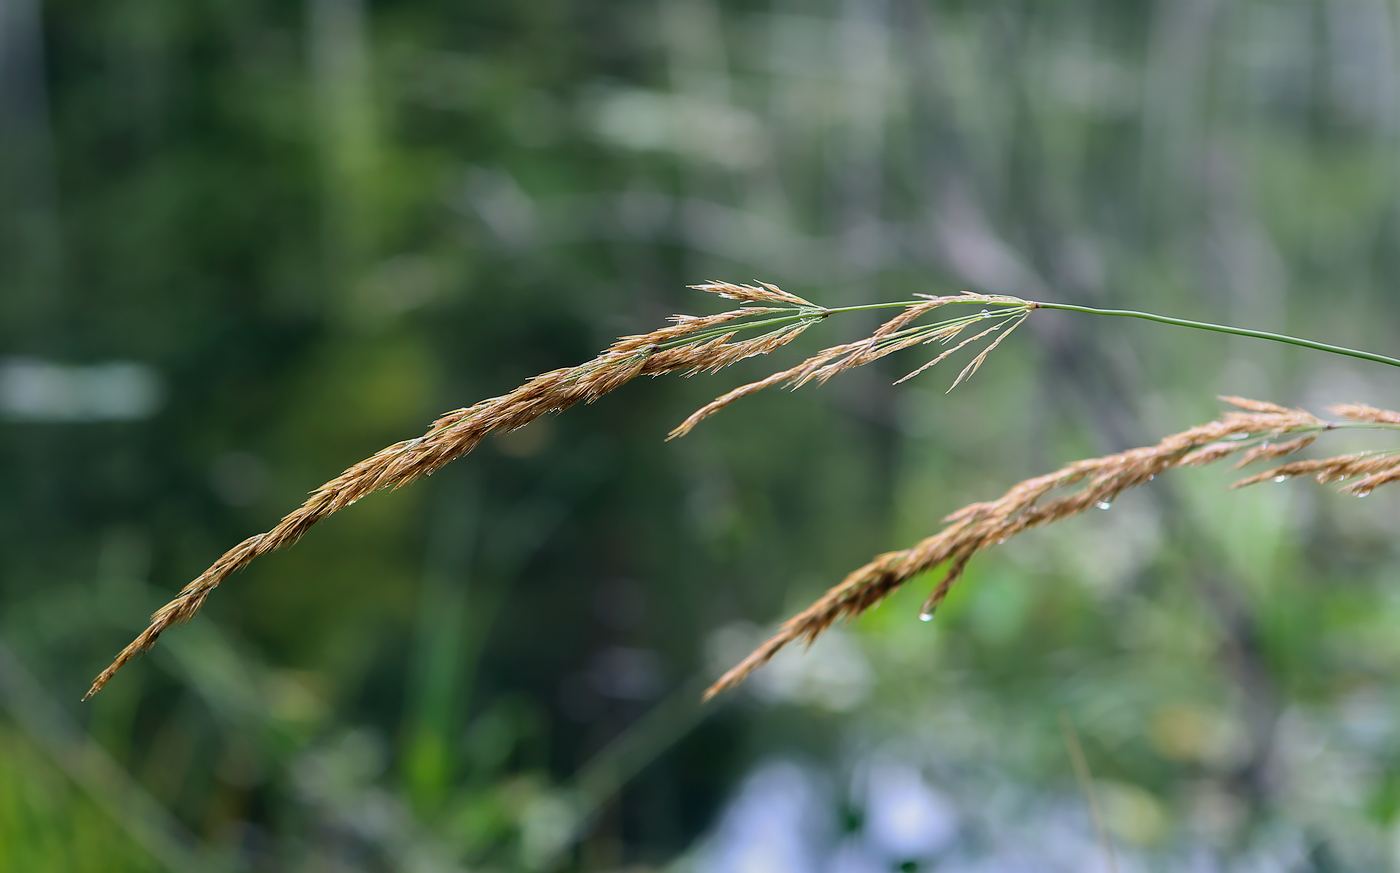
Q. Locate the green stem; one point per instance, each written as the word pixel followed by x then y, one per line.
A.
pixel 1222 328
pixel 798 315
pixel 953 301
pixel 898 304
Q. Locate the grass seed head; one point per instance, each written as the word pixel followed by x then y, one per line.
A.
pixel 456 433
pixel 1251 433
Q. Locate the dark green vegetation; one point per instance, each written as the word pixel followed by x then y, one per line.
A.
pixel 318 225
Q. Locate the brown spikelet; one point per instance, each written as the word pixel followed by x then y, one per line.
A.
pixel 1267 451
pixel 1365 485
pixel 1370 469
pixel 893 335
pixel 1209 454
pixel 940 357
pixel 456 433
pixel 976 363
pixel 1080 486
pixel 762 293
pixel 1254 405
pixel 724 400
pixel 1362 412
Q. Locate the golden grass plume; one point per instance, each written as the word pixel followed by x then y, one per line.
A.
pixel 895 334
pixel 688 345
pixel 1257 431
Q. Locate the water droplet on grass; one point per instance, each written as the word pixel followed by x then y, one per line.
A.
pixel 926 616
pixel 1104 504
pixel 1280 478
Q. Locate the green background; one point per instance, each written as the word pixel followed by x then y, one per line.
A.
pixel 316 226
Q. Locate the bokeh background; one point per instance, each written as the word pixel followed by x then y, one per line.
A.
pixel 244 244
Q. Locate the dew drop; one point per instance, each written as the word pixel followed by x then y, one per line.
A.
pixel 985 313
pixel 1001 540
pixel 926 616
pixel 1104 504
pixel 1365 493
pixel 1280 478
pixel 1151 476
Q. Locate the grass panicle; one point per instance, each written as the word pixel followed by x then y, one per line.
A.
pixel 896 334
pixel 1257 431
pixel 769 318
pixel 689 345
pixel 1370 469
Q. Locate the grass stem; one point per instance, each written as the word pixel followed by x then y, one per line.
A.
pixel 1086 785
pixel 1223 328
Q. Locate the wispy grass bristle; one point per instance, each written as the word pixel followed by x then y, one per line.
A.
pixel 1362 412
pixel 895 334
pixel 761 293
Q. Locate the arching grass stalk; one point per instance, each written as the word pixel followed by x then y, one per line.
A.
pixel 688 345
pixel 1030 305
pixel 691 344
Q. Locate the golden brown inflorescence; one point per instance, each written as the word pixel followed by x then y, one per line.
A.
pixel 688 345
pixel 894 335
pixel 1370 469
pixel 1259 431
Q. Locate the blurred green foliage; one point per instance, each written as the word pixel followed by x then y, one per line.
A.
pixel 315 226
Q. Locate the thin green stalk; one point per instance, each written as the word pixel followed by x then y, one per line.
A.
pixel 898 304
pixel 952 301
pixel 800 314
pixel 1222 328
pixel 1086 785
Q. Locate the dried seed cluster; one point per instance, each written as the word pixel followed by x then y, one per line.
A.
pixel 1259 431
pixel 688 345
pixel 895 334
pixel 1370 469
pixel 1252 434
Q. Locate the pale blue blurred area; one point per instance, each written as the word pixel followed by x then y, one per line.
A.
pixel 36 390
